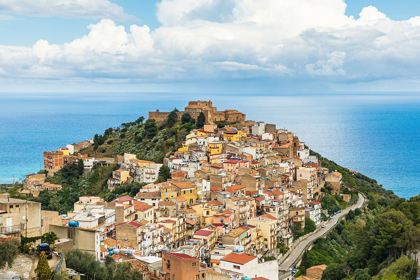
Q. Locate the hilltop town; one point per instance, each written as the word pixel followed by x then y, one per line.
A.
pixel 230 202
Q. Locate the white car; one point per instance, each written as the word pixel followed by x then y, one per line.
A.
pixel 324 226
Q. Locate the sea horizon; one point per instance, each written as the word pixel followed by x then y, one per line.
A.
pixel 368 133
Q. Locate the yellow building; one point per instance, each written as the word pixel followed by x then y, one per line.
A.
pixel 66 151
pixel 201 133
pixel 233 135
pixel 168 191
pixel 204 212
pixel 211 235
pixel 269 229
pixel 121 175
pixel 141 162
pixel 187 190
pixel 215 148
pixel 143 210
pixel 183 149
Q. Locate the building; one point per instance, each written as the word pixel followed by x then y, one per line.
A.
pixel 240 265
pixel 297 215
pixel 86 240
pixel 20 217
pixel 316 272
pixel 334 179
pixel 270 230
pixel 313 211
pixel 53 162
pixel 143 211
pixel 211 114
pixel 131 232
pixel 119 177
pixel 178 266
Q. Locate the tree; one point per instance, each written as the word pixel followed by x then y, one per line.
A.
pixel 334 271
pixel 372 204
pixel 200 120
pixel 80 167
pixel 391 229
pixel 150 128
pixel 296 228
pixel 85 263
pixel 140 120
pixel 360 274
pixel 164 173
pixel 304 264
pixel 186 118
pixel 9 249
pixel 351 215
pixel 49 237
pixel 172 118
pixel 403 268
pixel 310 225
pixel 43 270
pixel 358 212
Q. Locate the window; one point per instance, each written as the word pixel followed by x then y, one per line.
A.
pixel 11 206
pixel 194 264
pixel 236 267
pixel 190 191
pixel 203 276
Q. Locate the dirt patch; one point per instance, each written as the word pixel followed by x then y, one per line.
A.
pixel 23 268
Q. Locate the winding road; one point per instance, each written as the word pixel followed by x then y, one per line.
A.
pixel 297 252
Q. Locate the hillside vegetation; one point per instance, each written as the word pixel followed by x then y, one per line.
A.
pixel 373 244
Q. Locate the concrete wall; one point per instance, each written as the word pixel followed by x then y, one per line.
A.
pixel 86 240
pixel 23 214
pixel 180 268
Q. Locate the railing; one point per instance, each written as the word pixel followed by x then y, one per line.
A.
pixel 12 229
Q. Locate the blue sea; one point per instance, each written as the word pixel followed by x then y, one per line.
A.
pixel 375 134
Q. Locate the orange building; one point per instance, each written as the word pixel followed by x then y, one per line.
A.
pixel 53 162
pixel 181 266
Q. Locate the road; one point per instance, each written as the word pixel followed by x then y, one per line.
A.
pixel 298 250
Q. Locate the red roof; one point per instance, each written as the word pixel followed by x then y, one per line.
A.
pixel 181 256
pixel 141 206
pixel 238 258
pixel 123 199
pixel 134 224
pixel 314 202
pixel 203 232
pixel 233 161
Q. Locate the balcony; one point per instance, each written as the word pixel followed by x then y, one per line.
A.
pixel 12 229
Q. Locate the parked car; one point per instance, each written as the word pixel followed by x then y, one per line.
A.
pixel 44 247
pixel 324 226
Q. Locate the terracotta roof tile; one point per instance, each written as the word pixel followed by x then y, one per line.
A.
pixel 238 258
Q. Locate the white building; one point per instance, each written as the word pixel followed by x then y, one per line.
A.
pixel 258 128
pixel 267 136
pixel 303 154
pixel 313 211
pixel 147 174
pixel 240 265
pixel 71 148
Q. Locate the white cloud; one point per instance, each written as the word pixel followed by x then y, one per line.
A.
pixel 6 17
pixel 299 39
pixel 95 9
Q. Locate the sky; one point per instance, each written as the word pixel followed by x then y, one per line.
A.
pixel 209 45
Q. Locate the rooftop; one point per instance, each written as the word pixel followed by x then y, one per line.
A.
pixel 238 258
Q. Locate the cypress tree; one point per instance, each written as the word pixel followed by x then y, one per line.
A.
pixel 43 270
